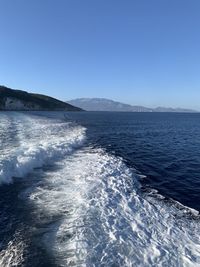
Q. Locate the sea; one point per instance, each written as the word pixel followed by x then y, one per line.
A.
pixel 99 189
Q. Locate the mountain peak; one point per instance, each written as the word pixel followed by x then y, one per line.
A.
pixel 104 104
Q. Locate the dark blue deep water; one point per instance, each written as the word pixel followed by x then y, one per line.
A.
pixel 99 189
pixel 165 147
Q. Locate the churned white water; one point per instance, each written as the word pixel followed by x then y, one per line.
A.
pixel 33 141
pixel 28 142
pixel 105 221
pixel 91 203
pixel 13 254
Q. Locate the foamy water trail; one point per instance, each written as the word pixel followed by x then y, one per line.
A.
pixel 33 141
pixel 104 220
pixel 88 206
pixel 12 255
pixel 28 142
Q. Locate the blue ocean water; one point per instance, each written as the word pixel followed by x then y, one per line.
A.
pixel 165 147
pixel 99 189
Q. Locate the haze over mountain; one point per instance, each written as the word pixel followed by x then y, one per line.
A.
pixel 11 99
pixel 103 104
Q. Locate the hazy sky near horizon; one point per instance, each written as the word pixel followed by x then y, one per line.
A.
pixel 142 52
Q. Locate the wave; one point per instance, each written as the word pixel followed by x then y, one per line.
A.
pixel 89 209
pixel 99 217
pixel 13 255
pixel 32 141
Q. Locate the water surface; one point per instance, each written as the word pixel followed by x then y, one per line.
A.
pixel 99 189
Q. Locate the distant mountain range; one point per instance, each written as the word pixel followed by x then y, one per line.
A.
pixel 11 99
pixel 103 104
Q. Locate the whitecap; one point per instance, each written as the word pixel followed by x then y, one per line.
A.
pixel 103 219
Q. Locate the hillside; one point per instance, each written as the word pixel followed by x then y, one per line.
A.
pixel 103 104
pixel 11 99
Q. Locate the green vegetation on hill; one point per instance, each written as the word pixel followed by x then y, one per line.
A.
pixel 11 99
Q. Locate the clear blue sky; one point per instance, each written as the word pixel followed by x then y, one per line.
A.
pixel 144 52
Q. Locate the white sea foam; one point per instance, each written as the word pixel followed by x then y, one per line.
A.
pixel 90 203
pixel 13 254
pixel 106 221
pixel 33 142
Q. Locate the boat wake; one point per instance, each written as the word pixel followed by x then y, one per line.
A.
pixel 33 141
pixel 89 209
pixel 102 219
